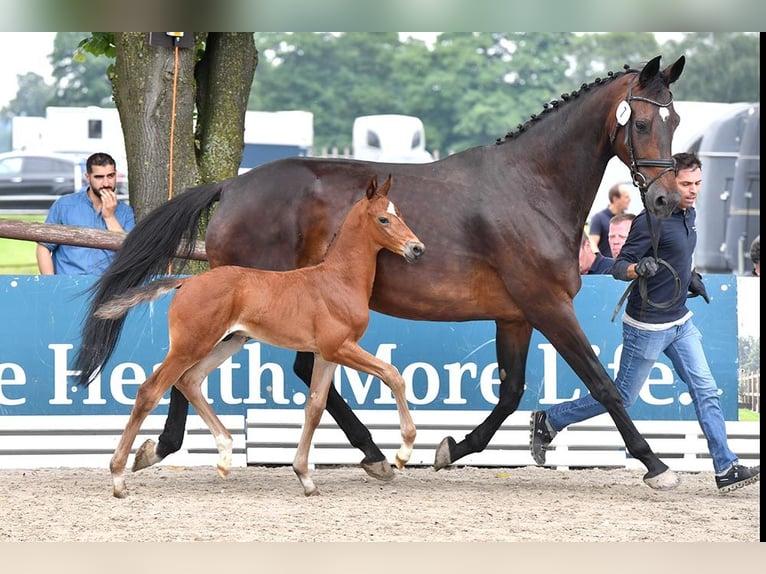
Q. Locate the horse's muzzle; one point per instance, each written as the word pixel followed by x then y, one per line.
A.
pixel 413 250
pixel 661 202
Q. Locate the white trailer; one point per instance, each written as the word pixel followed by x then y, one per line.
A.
pixel 391 138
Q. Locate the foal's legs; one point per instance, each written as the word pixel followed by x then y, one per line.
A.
pixel 321 381
pixel 512 346
pixel 190 384
pixel 150 452
pixel 353 356
pixel 374 462
pixel 149 394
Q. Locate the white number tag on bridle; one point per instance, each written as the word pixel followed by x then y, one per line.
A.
pixel 623 113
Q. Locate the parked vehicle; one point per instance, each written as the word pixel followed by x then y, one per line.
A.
pixel 31 181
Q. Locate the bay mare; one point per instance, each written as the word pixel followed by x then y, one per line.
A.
pixel 321 309
pixel 502 223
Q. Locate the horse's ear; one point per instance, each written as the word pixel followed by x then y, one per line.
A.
pixel 385 187
pixel 372 187
pixel 672 72
pixel 651 69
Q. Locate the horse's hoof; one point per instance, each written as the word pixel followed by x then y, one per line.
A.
pixel 223 472
pixel 120 493
pixel 314 492
pixel 399 462
pixel 146 456
pixel 443 456
pixel 666 480
pixel 380 470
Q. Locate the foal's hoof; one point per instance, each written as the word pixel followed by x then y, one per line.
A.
pixel 380 470
pixel 667 480
pixel 443 457
pixel 146 456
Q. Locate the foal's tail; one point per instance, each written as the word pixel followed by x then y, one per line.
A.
pixel 148 250
pixel 118 306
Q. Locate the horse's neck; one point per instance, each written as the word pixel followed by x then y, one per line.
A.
pixel 352 255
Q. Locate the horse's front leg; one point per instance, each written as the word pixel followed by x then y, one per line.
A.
pixel 570 341
pixel 512 346
pixel 321 381
pixel 374 462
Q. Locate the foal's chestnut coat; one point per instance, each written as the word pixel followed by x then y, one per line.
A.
pixel 322 309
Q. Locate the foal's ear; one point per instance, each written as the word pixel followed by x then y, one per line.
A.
pixel 372 187
pixel 385 187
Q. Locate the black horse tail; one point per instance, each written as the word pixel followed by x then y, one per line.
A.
pixel 167 232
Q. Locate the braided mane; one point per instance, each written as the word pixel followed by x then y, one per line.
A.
pixel 566 97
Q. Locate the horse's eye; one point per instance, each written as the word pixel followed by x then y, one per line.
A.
pixel 642 126
pixel 383 219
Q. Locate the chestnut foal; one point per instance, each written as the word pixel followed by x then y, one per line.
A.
pixel 322 309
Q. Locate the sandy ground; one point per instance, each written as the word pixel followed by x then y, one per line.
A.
pixel 466 504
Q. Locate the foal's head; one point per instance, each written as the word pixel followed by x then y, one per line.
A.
pixel 387 227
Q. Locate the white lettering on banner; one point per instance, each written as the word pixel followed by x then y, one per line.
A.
pixel 488 383
pixel 227 381
pixel 19 377
pixel 254 396
pixel 455 382
pixel 666 378
pixel 426 384
pixel 432 383
pixel 118 380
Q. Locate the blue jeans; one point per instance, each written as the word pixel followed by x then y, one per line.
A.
pixel 683 346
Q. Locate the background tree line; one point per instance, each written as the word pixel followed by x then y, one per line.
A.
pixel 468 88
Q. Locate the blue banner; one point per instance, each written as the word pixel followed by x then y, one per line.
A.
pixel 445 365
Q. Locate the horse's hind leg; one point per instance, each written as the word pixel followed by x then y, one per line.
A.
pixel 512 346
pixel 149 394
pixel 374 462
pixel 321 381
pixel 190 384
pixel 172 436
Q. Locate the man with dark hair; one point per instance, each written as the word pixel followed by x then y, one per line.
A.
pixel 93 206
pixel 648 330
pixel 598 228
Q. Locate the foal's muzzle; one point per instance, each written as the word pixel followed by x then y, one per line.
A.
pixel 413 250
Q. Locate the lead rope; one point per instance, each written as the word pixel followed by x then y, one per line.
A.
pixel 176 40
pixel 642 281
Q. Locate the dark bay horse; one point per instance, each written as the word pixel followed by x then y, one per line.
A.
pixel 502 222
pixel 321 309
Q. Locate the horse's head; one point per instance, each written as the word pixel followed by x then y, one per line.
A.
pixel 388 226
pixel 646 118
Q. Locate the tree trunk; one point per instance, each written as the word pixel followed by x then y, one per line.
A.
pixel 148 83
pixel 224 76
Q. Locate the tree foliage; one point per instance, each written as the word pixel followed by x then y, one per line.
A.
pixel 469 88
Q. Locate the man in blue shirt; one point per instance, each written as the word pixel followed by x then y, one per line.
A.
pixel 649 330
pixel 94 206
